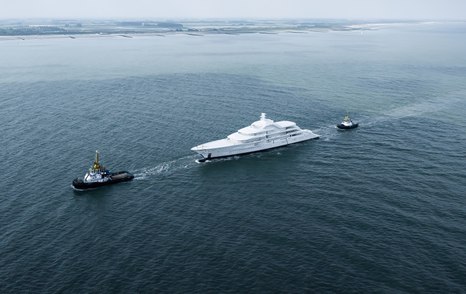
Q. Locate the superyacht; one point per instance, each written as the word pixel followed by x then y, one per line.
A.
pixel 261 135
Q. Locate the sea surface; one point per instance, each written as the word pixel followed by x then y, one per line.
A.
pixel 381 208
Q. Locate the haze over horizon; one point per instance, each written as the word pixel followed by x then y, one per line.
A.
pixel 268 9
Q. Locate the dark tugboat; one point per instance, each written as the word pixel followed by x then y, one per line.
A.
pixel 98 176
pixel 347 123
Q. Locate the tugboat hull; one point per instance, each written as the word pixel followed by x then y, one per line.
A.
pixel 344 127
pixel 118 177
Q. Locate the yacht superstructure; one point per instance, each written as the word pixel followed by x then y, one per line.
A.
pixel 261 135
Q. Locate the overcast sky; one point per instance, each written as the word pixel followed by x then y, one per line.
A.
pixel 367 9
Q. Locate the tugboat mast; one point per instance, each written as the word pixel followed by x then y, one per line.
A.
pixel 96 166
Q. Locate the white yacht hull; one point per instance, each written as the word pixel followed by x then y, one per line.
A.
pixel 246 148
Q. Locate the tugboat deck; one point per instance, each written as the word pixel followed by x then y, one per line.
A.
pixel 98 176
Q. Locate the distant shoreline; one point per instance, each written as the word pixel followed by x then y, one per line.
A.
pixel 25 30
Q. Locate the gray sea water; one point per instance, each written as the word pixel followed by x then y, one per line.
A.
pixel 378 209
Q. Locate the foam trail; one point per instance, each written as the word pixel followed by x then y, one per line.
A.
pixel 167 167
pixel 326 132
pixel 411 110
pixel 433 105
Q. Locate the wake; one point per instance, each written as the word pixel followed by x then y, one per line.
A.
pixel 425 108
pixel 327 132
pixel 167 167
